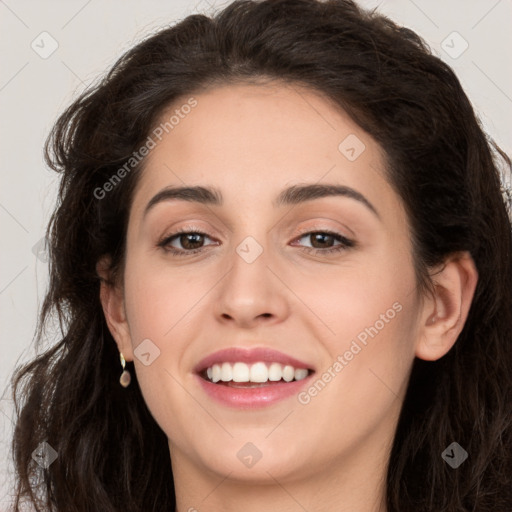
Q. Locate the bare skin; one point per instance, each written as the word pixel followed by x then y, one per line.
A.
pixel 331 453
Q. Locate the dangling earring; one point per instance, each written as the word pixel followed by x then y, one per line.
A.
pixel 125 378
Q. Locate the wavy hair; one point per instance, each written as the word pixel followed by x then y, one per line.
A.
pixel 111 453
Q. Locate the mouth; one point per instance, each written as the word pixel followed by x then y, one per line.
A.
pixel 256 375
pixel 250 379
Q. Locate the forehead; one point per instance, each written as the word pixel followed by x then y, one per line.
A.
pixel 252 141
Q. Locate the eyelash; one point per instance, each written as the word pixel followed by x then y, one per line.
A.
pixel 344 245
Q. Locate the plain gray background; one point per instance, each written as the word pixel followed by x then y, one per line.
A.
pixel 35 87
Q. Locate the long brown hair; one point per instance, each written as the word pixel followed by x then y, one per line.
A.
pixel 111 453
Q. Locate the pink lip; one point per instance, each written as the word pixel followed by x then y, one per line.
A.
pixel 233 355
pixel 251 398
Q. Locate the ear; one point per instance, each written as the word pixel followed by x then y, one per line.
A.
pixel 112 301
pixel 445 313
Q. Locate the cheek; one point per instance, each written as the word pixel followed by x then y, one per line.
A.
pixel 352 300
pixel 158 300
pixel 370 356
pixel 371 312
pixel 160 309
pixel 377 340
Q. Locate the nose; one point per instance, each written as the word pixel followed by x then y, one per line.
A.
pixel 252 293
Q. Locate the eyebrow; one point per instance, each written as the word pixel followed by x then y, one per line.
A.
pixel 293 195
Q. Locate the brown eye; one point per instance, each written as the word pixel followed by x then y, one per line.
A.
pixel 322 242
pixel 188 241
pixel 192 242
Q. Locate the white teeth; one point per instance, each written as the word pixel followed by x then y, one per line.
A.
pixel 288 373
pixel 216 371
pixel 275 372
pixel 240 372
pixel 226 372
pixel 300 373
pixel 257 372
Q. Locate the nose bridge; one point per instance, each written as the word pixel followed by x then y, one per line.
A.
pixel 249 273
pixel 250 290
pixel 251 250
pixel 250 235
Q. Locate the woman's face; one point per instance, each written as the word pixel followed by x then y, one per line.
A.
pixel 260 281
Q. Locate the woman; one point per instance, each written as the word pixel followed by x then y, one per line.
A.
pixel 286 222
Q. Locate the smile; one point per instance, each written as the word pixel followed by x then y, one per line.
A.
pixel 248 379
pixel 258 372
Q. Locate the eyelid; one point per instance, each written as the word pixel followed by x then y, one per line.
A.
pixel 302 231
pixel 173 233
pixel 323 228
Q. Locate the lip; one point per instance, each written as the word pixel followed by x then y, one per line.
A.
pixel 257 397
pixel 253 398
